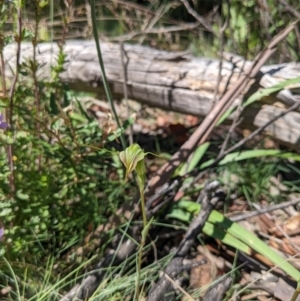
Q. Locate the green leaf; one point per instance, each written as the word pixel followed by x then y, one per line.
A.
pixel 22 196
pixel 188 205
pixel 77 117
pixel 180 214
pixel 131 156
pixel 141 172
pixel 254 242
pixel 67 95
pixel 21 134
pixel 5 212
pixel 146 230
pixel 92 185
pixel 61 193
pixel 128 122
pixel 113 136
pixel 243 236
pixel 249 154
pixel 260 94
pixel 212 230
pixel 196 157
pixel 209 228
pixel 82 111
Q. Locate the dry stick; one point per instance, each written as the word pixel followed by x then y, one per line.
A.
pixel 35 80
pixel 88 17
pixel 297 36
pixel 206 127
pixel 160 30
pixel 196 15
pixel 256 132
pixel 252 135
pixel 2 73
pixel 237 120
pixel 289 8
pixel 270 208
pixel 259 61
pixel 125 90
pixel 137 7
pixel 287 237
pixel 175 266
pixel 221 37
pixel 10 151
pixel 152 22
pixel 184 293
pixel 216 291
pixel 241 84
pixel 90 284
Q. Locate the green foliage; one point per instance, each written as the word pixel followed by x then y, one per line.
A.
pixel 238 236
pixel 133 158
pixel 252 179
pixel 258 95
pixel 250 24
pixel 63 177
pixel 250 27
pixel 59 176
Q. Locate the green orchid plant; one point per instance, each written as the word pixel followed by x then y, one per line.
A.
pixel 133 159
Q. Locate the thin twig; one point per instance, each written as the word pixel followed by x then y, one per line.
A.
pixel 200 19
pixel 3 82
pixel 255 133
pixel 289 8
pixel 236 121
pixel 18 39
pixel 104 78
pixel 175 266
pixel 125 90
pixel 208 124
pixel 221 38
pixel 152 22
pixel 175 284
pixel 217 290
pixel 270 208
pixel 160 30
pixel 34 75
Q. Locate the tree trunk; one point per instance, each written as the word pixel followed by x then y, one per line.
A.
pixel 169 80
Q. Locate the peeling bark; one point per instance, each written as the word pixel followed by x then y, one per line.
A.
pixel 169 80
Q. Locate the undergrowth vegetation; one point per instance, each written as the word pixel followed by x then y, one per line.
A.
pixel 60 172
pixel 60 176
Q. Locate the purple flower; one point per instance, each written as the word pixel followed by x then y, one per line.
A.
pixel 3 124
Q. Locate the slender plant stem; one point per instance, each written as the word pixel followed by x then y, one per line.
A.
pixel 18 39
pixel 35 80
pixel 296 293
pixel 143 241
pixel 15 278
pixel 143 207
pixel 105 82
pixel 138 270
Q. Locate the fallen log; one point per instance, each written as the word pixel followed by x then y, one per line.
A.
pixel 169 80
